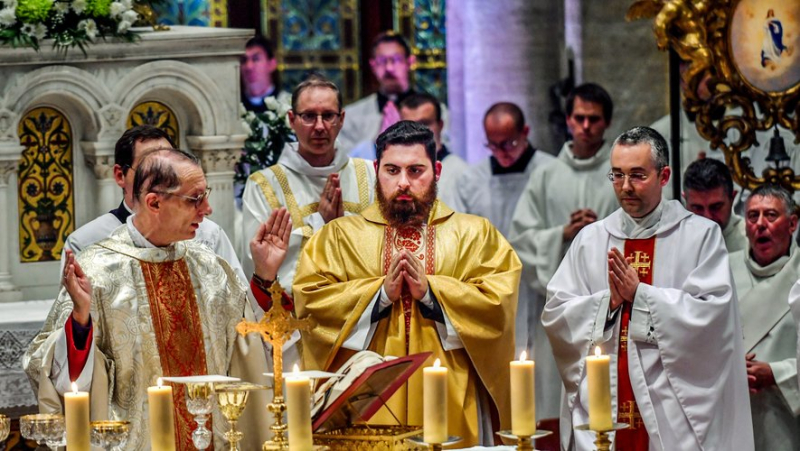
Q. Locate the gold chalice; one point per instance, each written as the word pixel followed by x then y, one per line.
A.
pixel 111 435
pixel 5 427
pixel 44 428
pixel 232 399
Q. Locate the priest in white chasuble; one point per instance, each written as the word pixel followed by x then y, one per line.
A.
pixel 651 286
pixel 764 276
pixel 560 199
pixel 408 276
pixel 149 302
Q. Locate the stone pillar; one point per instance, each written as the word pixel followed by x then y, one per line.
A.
pixel 99 157
pixel 218 154
pixel 502 51
pixel 8 291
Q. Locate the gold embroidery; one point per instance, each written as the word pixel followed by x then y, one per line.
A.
pixel 363 187
pixel 291 202
pixel 641 263
pixel 266 188
pixel 629 413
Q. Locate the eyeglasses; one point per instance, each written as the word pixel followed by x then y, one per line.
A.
pixel 505 146
pixel 385 60
pixel 197 200
pixel 309 118
pixel 618 178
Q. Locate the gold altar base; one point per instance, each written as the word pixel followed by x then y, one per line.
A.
pixel 368 438
pixel 602 442
pixel 279 441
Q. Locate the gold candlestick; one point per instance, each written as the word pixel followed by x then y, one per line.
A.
pixel 420 441
pixel 602 442
pixel 525 442
pixel 276 328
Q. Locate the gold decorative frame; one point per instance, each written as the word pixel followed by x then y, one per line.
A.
pixel 700 32
pixel 157 114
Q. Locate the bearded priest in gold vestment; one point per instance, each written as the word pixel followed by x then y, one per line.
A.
pixel 408 276
pixel 143 304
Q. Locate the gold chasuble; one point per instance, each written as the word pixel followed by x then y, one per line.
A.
pixel 168 311
pixel 473 274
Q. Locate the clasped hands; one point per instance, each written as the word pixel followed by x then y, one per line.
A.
pixel 331 205
pixel 759 374
pixel 405 270
pixel 622 278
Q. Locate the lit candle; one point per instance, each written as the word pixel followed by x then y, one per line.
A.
pixel 597 370
pixel 298 408
pixel 434 393
pixel 76 412
pixel 523 397
pixel 162 423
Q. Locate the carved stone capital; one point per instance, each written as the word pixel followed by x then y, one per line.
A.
pixel 217 160
pixel 8 122
pixel 7 169
pixel 101 165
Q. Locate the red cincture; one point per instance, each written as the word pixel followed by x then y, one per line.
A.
pixel 634 438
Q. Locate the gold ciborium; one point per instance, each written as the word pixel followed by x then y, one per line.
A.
pixel 110 435
pixel 5 427
pixel 232 399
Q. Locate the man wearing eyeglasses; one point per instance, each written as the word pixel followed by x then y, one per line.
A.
pixel 149 301
pixel 650 285
pixel 129 149
pixel 559 200
pixel 314 179
pixel 391 64
pixel 492 187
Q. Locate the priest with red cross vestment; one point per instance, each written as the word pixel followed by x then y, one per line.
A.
pixel 651 286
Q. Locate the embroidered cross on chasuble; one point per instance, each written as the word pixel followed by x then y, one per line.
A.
pixel 179 335
pixel 635 438
pixel 421 242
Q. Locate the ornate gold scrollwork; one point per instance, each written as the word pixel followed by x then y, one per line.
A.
pixel 744 52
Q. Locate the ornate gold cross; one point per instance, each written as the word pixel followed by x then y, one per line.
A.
pixel 641 263
pixel 628 414
pixel 276 328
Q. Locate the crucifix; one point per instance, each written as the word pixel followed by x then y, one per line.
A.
pixel 641 263
pixel 276 328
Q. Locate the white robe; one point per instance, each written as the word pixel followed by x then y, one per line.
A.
pixel 553 192
pixel 209 233
pixel 734 234
pixel 685 344
pixel 300 192
pixel 770 333
pixel 494 196
pixel 452 168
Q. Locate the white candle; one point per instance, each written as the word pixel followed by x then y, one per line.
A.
pixel 162 422
pixel 523 397
pixel 298 408
pixel 597 371
pixel 434 392
pixel 76 412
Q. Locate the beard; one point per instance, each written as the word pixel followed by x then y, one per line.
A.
pixel 404 213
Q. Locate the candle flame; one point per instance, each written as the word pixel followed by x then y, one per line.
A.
pixel 74 388
pixel 437 363
pixel 159 382
pixel 523 356
pixel 597 351
pixel 296 370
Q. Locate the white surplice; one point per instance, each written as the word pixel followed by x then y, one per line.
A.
pixel 553 192
pixel 770 333
pixel 447 186
pixel 685 345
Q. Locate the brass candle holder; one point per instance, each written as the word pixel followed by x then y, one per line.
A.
pixel 276 328
pixel 5 427
pixel 524 442
pixel 110 435
pixel 232 399
pixel 420 441
pixel 602 442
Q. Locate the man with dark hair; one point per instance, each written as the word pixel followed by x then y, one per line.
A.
pixel 708 192
pixel 258 66
pixel 129 149
pixel 764 277
pixel 560 199
pixel 493 187
pixel 650 284
pixel 391 63
pixel 425 109
pixel 313 179
pixel 150 301
pixel 409 275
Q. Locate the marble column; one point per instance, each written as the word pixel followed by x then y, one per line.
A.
pixel 502 51
pixel 8 291
pixel 99 157
pixel 218 154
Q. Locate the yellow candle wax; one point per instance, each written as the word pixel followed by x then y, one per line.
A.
pixel 597 371
pixel 162 423
pixel 523 397
pixel 434 391
pixel 298 408
pixel 76 413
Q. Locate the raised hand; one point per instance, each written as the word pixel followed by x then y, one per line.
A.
pixel 270 244
pixel 331 205
pixel 79 288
